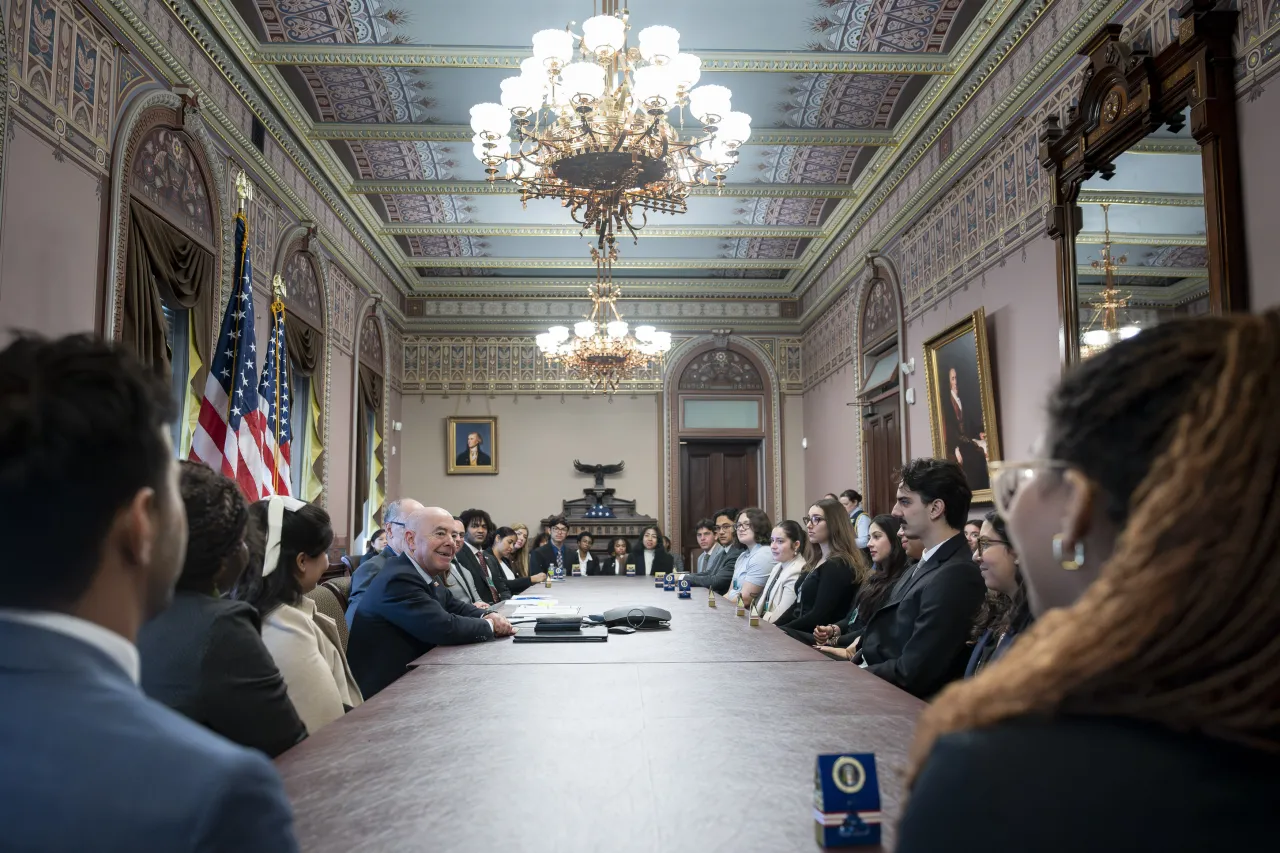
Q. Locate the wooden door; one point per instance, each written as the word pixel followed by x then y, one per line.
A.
pixel 882 450
pixel 714 475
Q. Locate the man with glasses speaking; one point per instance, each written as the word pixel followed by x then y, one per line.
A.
pixel 719 573
pixel 393 518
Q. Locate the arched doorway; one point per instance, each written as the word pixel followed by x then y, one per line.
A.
pixel 879 393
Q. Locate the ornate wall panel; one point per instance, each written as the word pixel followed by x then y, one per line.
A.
pixel 828 344
pixel 166 174
pixel 720 370
pixel 342 299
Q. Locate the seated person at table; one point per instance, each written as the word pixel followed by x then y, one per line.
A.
pixel 677 562
pixel 1142 711
pixel 705 530
pixel 719 573
pixel 303 641
pixel 552 555
pixel 458 580
pixel 501 547
pixel 583 562
pixel 826 593
pixel 619 553
pixel 754 564
pixel 397 512
pixel 649 557
pixel 376 543
pixel 90 763
pixel 919 639
pixel 204 656
pixel 889 563
pixel 489 580
pixel 787 545
pixel 408 612
pixel 1006 612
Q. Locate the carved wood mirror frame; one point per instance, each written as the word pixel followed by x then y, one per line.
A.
pixel 1128 94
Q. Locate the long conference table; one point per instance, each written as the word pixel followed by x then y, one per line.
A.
pixel 697 738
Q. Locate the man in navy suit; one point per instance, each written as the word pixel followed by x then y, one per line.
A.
pixel 90 763
pixel 407 611
pixel 553 554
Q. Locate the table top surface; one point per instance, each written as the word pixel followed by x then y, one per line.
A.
pixel 484 747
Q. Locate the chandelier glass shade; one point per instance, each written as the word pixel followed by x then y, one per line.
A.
pixel 1110 322
pixel 602 350
pixel 589 121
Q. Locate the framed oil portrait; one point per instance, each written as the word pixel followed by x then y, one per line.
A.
pixel 962 409
pixel 471 445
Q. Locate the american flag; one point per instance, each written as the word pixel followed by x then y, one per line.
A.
pixel 274 391
pixel 233 416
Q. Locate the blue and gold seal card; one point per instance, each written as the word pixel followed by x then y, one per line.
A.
pixel 685 589
pixel 669 582
pixel 846 800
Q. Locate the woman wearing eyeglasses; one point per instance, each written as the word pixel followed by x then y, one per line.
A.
pixel 1153 670
pixel 826 594
pixel 1005 613
pixel 751 571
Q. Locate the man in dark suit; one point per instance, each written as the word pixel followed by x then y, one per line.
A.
pixel 90 763
pixel 918 640
pixel 474 455
pixel 490 583
pixel 393 523
pixel 407 611
pixel 553 554
pixel 719 574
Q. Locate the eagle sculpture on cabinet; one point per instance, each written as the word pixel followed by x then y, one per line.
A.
pixel 600 471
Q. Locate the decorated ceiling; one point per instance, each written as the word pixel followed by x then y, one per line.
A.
pixel 388 85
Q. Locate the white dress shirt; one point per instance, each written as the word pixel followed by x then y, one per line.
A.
pixel 111 644
pixel 648 561
pixel 582 562
pixel 506 570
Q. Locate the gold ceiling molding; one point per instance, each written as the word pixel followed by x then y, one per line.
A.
pixel 430 56
pixel 510 287
pixel 1168 296
pixel 1165 146
pixel 586 263
pixel 1095 238
pixel 763 136
pixel 1141 198
pixel 473 188
pixel 1148 272
pixel 479 229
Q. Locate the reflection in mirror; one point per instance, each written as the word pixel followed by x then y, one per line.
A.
pixel 1141 255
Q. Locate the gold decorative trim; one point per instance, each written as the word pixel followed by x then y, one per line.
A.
pixel 1171 295
pixel 479 229
pixel 765 136
pixel 1155 145
pixel 430 56
pixel 1141 198
pixel 1148 272
pixel 1095 238
pixel 503 188
pixel 529 288
pixel 585 263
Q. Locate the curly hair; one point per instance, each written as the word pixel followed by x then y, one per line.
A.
pixel 1173 426
pixel 217 515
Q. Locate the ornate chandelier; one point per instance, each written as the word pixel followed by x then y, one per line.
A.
pixel 602 352
pixel 1104 328
pixel 594 131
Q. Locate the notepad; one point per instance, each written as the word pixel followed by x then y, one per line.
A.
pixel 539 610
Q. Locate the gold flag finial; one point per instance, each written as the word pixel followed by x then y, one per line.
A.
pixel 277 286
pixel 244 188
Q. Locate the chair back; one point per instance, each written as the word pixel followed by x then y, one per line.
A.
pixel 341 587
pixel 326 601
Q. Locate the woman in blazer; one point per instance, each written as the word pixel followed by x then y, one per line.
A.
pixel 501 547
pixel 1007 613
pixel 303 642
pixel 787 545
pixel 889 562
pixel 1154 666
pixel 203 656
pixel 826 593
pixel 583 561
pixel 619 553
pixel 649 556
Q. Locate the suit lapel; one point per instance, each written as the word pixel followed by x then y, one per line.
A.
pixel 945 552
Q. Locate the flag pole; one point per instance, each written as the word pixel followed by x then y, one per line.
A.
pixel 277 316
pixel 244 190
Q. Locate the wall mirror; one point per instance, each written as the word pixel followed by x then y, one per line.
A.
pixel 1145 187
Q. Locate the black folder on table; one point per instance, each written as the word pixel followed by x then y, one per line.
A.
pixel 586 635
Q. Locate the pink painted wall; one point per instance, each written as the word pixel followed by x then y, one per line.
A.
pixel 793 473
pixel 831 462
pixel 51 243
pixel 1021 303
pixel 1259 128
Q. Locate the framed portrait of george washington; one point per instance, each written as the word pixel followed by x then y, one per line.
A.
pixel 962 409
pixel 471 445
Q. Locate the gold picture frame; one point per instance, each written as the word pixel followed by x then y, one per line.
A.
pixel 955 404
pixel 458 456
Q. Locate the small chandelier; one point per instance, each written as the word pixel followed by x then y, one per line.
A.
pixel 594 132
pixel 1104 328
pixel 602 351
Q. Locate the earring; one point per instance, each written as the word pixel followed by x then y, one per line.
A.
pixel 1069 565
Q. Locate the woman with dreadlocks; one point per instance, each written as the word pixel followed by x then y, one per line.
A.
pixel 1142 710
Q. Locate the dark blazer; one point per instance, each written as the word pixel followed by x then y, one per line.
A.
pixel 517 584
pixel 988 649
pixel 919 639
pixel 1105 785
pixel 204 658
pixel 719 577
pixel 593 565
pixel 402 617
pixel 483 574
pixel 90 763
pixel 662 562
pixel 610 566
pixel 482 458
pixel 824 596
pixel 362 577
pixel 544 559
